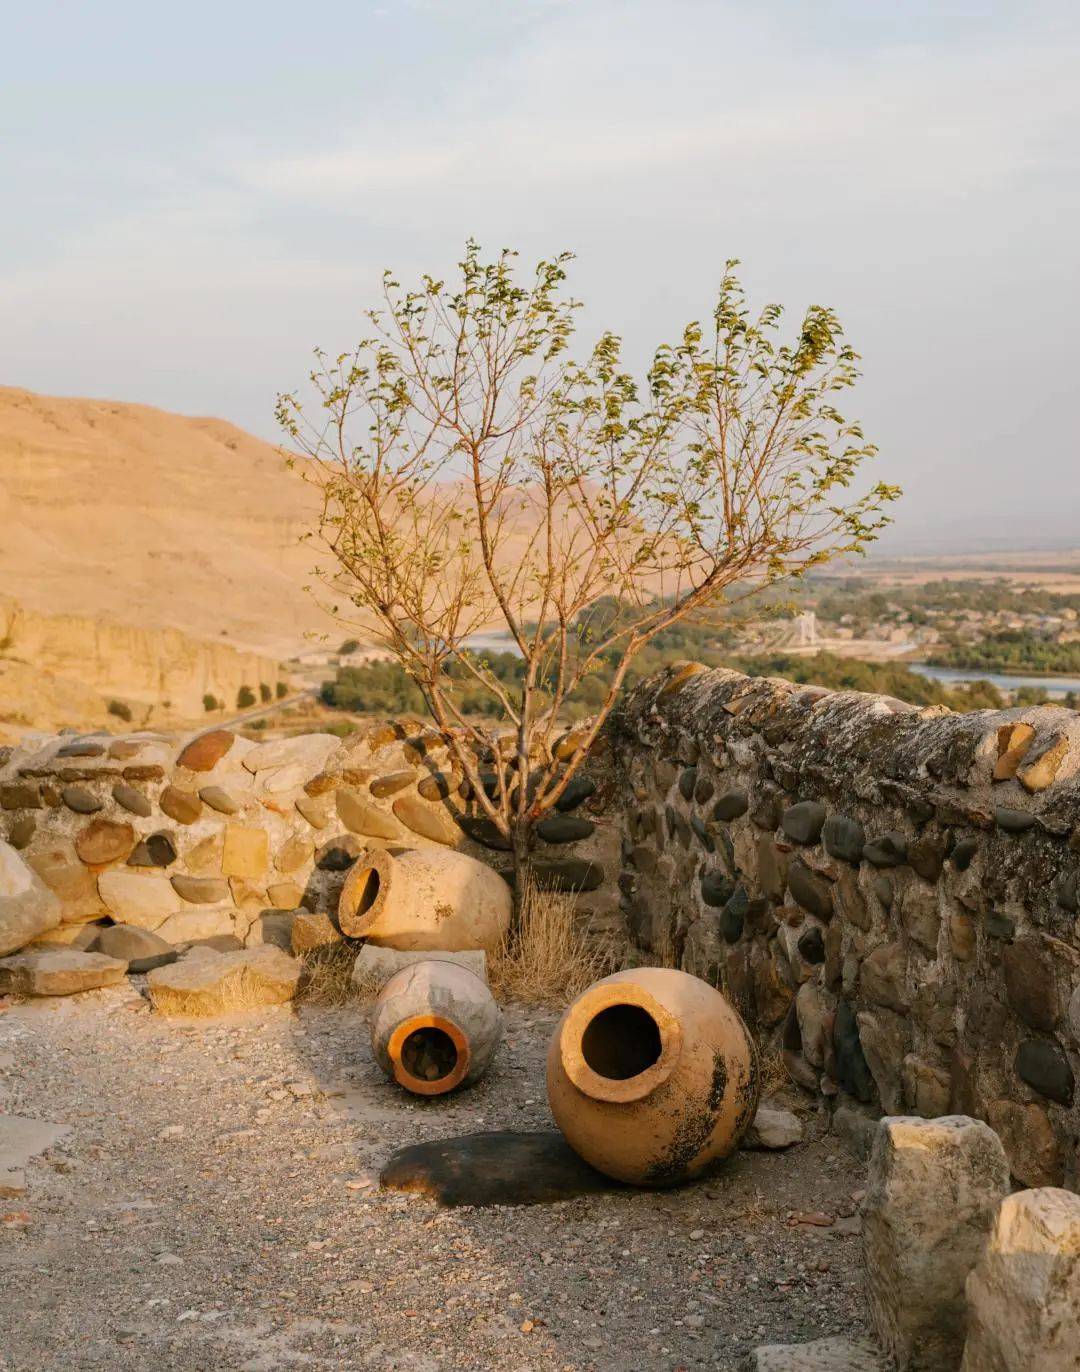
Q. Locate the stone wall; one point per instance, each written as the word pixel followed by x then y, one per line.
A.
pixel 200 838
pixel 889 894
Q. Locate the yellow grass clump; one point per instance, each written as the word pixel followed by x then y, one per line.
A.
pixel 328 973
pixel 546 958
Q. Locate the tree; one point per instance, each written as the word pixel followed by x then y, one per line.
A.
pixel 265 693
pixel 245 698
pixel 281 690
pixel 211 703
pixel 473 473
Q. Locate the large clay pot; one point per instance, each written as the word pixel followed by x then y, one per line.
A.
pixel 424 899
pixel 436 1026
pixel 652 1076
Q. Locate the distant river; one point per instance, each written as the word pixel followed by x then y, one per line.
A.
pixel 1052 685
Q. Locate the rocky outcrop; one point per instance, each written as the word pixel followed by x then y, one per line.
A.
pixel 135 664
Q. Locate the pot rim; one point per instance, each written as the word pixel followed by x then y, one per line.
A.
pixel 418 1085
pixel 380 864
pixel 618 1091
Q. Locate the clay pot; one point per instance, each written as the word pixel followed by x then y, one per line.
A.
pixel 652 1076
pixel 424 898
pixel 436 1026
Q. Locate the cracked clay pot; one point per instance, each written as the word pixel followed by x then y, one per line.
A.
pixel 652 1076
pixel 435 1027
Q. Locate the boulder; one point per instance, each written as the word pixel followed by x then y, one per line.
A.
pixel 205 982
pixel 27 906
pixel 132 898
pixel 934 1188
pixel 141 949
pixel 1024 1294
pixel 58 972
pixel 186 926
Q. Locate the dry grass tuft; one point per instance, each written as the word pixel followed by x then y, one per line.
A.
pixel 328 975
pixel 771 1070
pixel 548 958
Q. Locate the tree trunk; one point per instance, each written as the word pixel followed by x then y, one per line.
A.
pixel 521 840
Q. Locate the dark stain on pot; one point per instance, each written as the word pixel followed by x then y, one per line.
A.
pixel 692 1133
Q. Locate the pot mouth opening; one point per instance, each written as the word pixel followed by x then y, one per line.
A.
pixel 369 883
pixel 621 1042
pixel 429 1054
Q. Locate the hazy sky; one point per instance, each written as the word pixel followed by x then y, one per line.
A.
pixel 196 195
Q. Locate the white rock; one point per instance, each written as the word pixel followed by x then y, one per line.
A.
pixel 140 900
pixel 773 1129
pixel 307 753
pixel 27 906
pixel 375 966
pixel 822 1355
pixel 188 925
pixel 934 1188
pixel 1024 1295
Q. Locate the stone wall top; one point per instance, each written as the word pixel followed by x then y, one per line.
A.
pixel 1004 772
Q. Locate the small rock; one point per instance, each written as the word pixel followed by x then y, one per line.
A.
pixel 773 1129
pixel 219 799
pixel 203 754
pixel 132 800
pixel 158 850
pixel 141 949
pixel 183 806
pixel 82 801
pixel 804 821
pixel 58 972
pixel 201 890
pixel 427 821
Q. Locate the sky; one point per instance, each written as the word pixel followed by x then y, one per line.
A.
pixel 196 196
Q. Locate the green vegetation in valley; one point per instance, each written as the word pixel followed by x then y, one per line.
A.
pixel 1013 650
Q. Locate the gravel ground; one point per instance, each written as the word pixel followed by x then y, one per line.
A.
pixel 215 1206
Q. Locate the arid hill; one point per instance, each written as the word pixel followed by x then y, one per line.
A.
pixel 154 521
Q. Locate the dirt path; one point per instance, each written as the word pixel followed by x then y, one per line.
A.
pixel 211 1208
